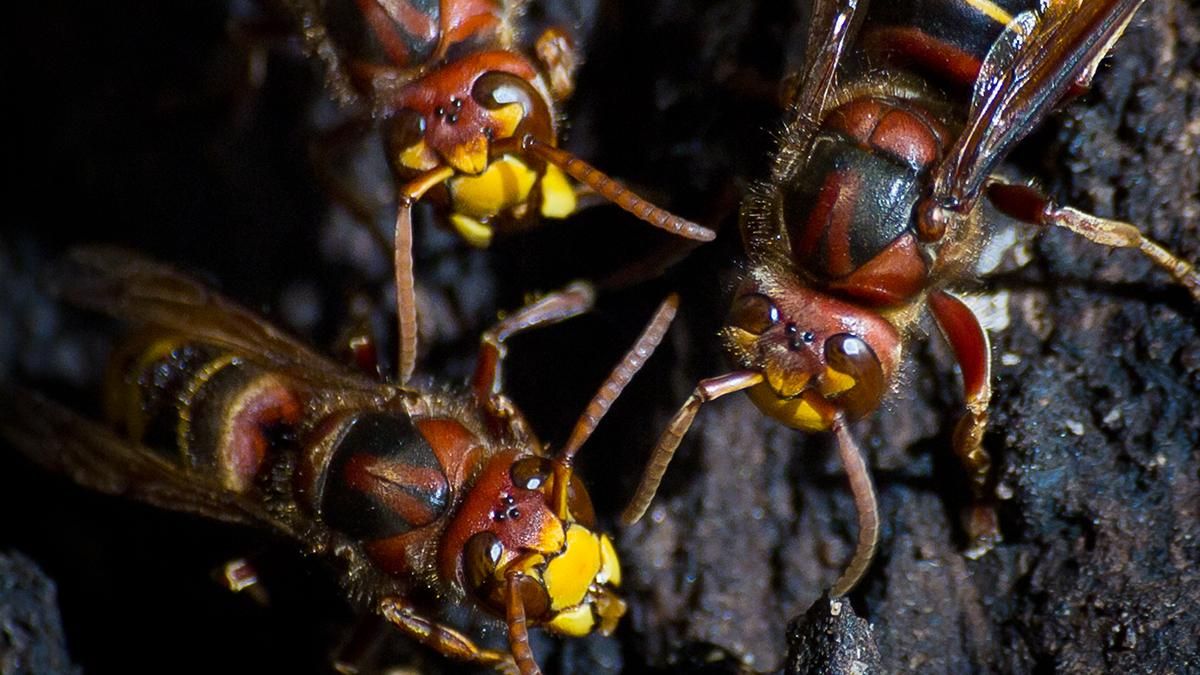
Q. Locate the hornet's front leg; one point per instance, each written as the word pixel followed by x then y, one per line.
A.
pixel 707 390
pixel 972 350
pixel 442 638
pixel 488 381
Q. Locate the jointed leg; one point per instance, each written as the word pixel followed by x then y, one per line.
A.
pixel 660 457
pixel 239 575
pixel 1027 204
pixel 440 637
pixel 518 631
pixel 560 59
pixel 973 352
pixel 626 368
pixel 320 44
pixel 358 342
pixel 569 302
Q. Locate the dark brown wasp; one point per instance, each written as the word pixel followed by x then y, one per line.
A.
pixel 215 412
pixel 874 212
pixel 468 115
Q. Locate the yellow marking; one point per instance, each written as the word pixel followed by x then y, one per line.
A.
pixel 992 10
pixel 508 117
pixel 794 412
pixel 785 381
pixel 548 542
pixel 505 184
pixel 836 382
pixel 228 475
pixel 129 394
pixel 569 574
pixel 552 538
pixel 739 336
pixel 610 565
pixel 558 195
pixel 418 156
pixel 471 157
pixel 183 403
pixel 528 564
pixel 474 232
pixel 574 622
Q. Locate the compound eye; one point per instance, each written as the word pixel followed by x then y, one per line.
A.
pixel 753 313
pixel 579 502
pixel 481 557
pixel 494 90
pixel 531 473
pixel 406 128
pixel 851 355
pixel 534 596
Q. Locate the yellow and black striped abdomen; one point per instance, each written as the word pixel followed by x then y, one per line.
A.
pixel 945 40
pixel 201 406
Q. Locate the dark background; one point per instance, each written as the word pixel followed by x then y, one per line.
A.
pixel 134 124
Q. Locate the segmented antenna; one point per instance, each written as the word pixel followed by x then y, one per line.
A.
pixel 620 377
pixel 664 450
pixel 864 500
pixel 615 192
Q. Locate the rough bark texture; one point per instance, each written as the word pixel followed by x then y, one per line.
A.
pixel 31 633
pixel 830 639
pixel 133 115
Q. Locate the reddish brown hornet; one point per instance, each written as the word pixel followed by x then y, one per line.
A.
pixel 470 114
pixel 215 412
pixel 874 212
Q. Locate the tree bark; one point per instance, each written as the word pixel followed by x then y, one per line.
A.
pixel 139 118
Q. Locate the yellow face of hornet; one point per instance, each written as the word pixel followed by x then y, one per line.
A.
pixel 814 353
pixel 450 119
pixel 574 586
pixel 520 526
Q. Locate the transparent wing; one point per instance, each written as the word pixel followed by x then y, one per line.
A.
pixel 830 29
pixel 129 287
pixel 1040 59
pixel 96 458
